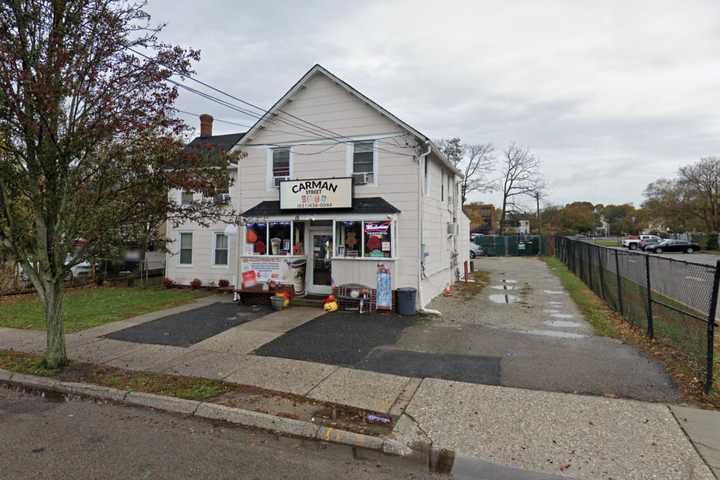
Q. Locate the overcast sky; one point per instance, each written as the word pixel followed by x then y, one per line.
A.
pixel 610 95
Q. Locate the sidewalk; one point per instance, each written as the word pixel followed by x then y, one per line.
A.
pixel 575 436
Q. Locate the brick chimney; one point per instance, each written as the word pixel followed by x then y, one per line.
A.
pixel 206 122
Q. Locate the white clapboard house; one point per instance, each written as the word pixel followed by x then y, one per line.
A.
pixel 331 180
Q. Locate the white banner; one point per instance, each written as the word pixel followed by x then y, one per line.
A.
pixel 316 193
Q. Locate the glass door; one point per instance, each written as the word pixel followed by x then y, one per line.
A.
pixel 321 280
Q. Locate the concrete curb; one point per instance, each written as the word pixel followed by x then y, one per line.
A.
pixel 213 411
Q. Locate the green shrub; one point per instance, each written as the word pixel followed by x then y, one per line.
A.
pixel 711 243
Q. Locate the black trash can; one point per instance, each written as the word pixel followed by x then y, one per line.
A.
pixel 406 301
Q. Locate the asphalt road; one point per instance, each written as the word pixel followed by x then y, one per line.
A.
pixel 44 439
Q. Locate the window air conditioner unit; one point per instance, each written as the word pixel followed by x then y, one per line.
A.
pixel 362 178
pixel 277 180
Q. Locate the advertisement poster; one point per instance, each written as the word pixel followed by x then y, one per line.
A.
pixel 384 288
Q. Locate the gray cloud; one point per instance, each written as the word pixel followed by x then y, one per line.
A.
pixel 610 95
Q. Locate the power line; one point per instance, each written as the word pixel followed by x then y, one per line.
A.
pixel 214 119
pixel 265 112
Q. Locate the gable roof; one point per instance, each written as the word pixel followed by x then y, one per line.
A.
pixel 317 68
pixel 204 147
pixel 221 142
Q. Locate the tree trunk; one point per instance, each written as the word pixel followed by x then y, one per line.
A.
pixel 54 296
pixel 501 228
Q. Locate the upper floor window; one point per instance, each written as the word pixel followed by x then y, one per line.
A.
pixel 186 198
pixel 280 164
pixel 363 166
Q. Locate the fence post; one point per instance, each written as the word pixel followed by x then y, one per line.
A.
pixel 711 330
pixel 589 260
pixel 619 284
pixel 650 328
pixel 602 275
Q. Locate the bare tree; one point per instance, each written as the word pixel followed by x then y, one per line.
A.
pixel 453 149
pixel 475 160
pixel 521 176
pixel 477 166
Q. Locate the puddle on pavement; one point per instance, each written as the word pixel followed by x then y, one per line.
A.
pixel 554 292
pixel 554 333
pixel 562 324
pixel 550 311
pixel 500 298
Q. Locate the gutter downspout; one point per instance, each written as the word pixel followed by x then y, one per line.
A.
pixel 421 217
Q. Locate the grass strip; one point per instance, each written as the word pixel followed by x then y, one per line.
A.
pixel 595 310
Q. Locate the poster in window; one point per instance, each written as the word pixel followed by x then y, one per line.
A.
pixel 383 299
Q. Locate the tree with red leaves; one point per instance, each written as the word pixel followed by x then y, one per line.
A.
pixel 89 145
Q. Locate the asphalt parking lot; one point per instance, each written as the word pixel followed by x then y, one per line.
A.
pixel 521 330
pixel 188 328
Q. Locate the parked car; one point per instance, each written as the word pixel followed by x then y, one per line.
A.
pixel 648 242
pixel 633 241
pixel 476 251
pixel 673 246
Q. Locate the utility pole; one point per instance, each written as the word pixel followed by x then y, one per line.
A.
pixel 537 204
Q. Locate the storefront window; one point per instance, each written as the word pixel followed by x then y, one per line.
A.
pixel 279 238
pixel 255 239
pixel 348 239
pixel 378 239
pixel 299 238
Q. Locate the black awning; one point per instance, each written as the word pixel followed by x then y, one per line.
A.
pixel 367 206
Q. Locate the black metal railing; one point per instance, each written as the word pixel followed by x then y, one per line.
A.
pixel 672 300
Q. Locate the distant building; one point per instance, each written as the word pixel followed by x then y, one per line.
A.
pixel 523 227
pixel 483 217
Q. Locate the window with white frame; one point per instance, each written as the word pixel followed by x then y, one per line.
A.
pixel 280 165
pixel 363 166
pixel 221 249
pixel 256 238
pixel 378 237
pixel 186 197
pixel 186 248
pixel 274 238
pixel 356 239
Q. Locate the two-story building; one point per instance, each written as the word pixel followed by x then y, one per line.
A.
pixel 332 189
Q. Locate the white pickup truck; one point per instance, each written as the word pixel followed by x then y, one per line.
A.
pixel 633 241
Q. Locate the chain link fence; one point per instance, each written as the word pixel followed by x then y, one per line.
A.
pixel 672 300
